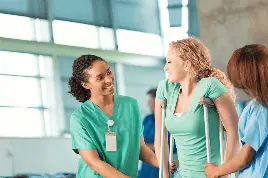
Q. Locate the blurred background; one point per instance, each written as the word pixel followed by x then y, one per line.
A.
pixel 39 40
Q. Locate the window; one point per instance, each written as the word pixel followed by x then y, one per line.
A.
pixel 21 122
pixel 107 38
pixel 23 96
pixel 139 42
pixel 75 34
pixel 24 28
pixel 174 20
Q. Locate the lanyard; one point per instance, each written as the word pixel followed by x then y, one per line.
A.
pixel 110 123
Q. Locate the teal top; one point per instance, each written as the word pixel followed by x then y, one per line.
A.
pixel 88 126
pixel 189 129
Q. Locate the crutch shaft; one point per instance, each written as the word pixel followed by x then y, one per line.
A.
pixel 221 143
pixel 207 134
pixel 171 146
pixel 161 168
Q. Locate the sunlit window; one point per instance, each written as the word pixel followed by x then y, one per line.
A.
pixel 18 64
pixel 75 34
pixel 24 28
pixel 106 38
pixel 21 122
pixel 23 97
pixel 20 91
pixel 139 42
pixel 173 33
pixel 176 33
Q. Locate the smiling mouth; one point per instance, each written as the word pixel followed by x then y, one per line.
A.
pixel 109 87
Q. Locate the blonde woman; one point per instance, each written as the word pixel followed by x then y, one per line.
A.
pixel 190 77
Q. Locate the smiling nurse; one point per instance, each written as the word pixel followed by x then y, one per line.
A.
pixel 106 128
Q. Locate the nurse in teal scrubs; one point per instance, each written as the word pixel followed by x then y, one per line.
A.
pixel 106 129
pixel 190 77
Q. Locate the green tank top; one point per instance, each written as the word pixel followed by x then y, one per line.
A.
pixel 189 129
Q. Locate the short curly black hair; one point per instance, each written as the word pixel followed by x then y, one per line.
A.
pixel 152 92
pixel 78 76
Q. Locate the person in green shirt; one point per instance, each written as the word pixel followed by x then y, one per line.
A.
pixel 191 77
pixel 106 129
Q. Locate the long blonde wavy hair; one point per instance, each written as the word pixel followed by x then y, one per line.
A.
pixel 197 53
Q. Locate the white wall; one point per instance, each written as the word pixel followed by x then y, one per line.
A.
pixel 36 155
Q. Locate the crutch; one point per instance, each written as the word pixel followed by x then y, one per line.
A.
pixel 206 102
pixel 161 168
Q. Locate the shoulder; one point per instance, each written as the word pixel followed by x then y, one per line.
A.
pixel 167 85
pixel 77 113
pixel 210 81
pixel 255 112
pixel 76 120
pixel 165 88
pixel 85 110
pixel 149 117
pixel 254 108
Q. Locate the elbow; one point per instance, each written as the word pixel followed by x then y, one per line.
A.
pixel 245 162
pixel 93 164
pixel 247 159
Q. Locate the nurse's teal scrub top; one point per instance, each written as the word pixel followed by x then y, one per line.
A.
pixel 189 129
pixel 88 126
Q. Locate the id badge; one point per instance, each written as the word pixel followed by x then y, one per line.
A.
pixel 110 138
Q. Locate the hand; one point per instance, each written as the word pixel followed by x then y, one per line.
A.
pixel 173 166
pixel 211 170
pixel 208 102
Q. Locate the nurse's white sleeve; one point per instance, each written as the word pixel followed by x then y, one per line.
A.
pixel 80 137
pixel 256 129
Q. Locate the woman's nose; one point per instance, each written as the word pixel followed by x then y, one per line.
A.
pixel 109 79
pixel 165 67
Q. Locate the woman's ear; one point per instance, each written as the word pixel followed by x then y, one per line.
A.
pixel 85 85
pixel 187 65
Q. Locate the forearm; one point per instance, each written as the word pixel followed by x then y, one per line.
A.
pixel 166 156
pixel 232 146
pixel 238 162
pixel 157 146
pixel 147 155
pixel 234 165
pixel 105 169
